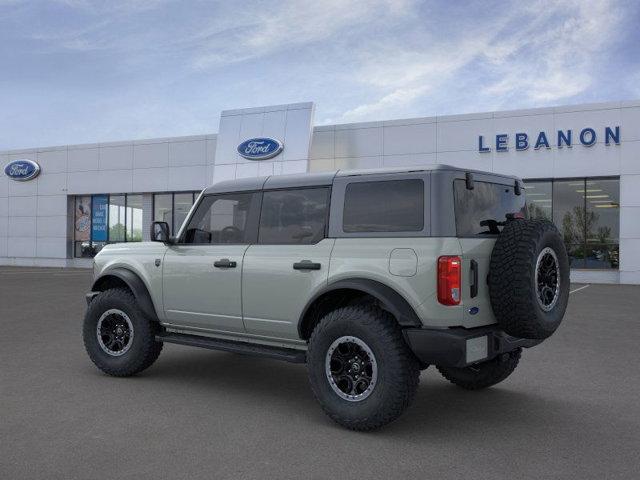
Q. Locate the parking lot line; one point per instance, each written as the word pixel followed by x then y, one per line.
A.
pixel 579 288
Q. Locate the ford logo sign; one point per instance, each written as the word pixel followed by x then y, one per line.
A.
pixel 22 170
pixel 260 148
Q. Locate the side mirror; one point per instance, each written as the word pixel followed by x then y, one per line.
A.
pixel 160 232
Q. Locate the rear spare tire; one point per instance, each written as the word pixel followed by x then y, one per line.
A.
pixel 529 278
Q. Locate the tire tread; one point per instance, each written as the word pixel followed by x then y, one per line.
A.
pixel 150 349
pixel 406 369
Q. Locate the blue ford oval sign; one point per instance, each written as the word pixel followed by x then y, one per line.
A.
pixel 22 170
pixel 260 148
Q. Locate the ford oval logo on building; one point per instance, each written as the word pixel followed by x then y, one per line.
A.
pixel 22 170
pixel 260 148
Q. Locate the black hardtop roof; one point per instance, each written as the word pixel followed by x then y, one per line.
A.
pixel 326 178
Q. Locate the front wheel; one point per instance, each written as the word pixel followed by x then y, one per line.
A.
pixel 360 369
pixel 118 337
pixel 485 374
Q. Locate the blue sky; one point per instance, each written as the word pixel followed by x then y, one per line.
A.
pixel 77 71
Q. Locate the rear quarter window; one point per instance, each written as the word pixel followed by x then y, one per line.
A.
pixel 483 210
pixel 384 206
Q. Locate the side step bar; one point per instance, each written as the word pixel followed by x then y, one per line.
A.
pixel 287 354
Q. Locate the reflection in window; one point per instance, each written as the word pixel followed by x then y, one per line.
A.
pixel 173 208
pixel 102 219
pixel 134 218
pixel 587 214
pixel 117 218
pixel 297 216
pixel 484 210
pixel 163 208
pixel 182 204
pixel 539 199
pixel 221 219
pixel 603 223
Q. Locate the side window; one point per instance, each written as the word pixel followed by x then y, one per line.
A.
pixel 297 216
pixel 223 218
pixel 384 206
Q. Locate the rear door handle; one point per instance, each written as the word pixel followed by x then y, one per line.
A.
pixel 474 279
pixel 224 263
pixel 306 265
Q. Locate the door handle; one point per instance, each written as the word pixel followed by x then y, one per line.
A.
pixel 474 279
pixel 306 265
pixel 224 263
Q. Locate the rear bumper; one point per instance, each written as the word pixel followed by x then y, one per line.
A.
pixel 460 347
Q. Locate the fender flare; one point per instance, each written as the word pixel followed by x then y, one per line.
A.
pixel 135 284
pixel 389 299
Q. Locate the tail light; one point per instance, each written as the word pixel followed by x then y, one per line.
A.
pixel 449 281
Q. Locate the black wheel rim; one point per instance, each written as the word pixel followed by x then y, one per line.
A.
pixel 547 279
pixel 351 368
pixel 114 332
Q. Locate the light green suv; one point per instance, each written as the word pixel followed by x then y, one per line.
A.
pixel 366 276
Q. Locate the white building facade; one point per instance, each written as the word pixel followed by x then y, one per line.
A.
pixel 581 165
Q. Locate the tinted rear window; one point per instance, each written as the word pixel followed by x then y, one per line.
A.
pixel 385 206
pixel 483 210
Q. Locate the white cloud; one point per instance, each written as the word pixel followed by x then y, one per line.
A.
pixel 554 63
pixel 544 52
pixel 288 24
pixel 160 68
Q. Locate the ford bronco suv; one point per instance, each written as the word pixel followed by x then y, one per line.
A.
pixel 365 276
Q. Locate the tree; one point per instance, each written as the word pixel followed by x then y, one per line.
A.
pixel 577 225
pixel 116 233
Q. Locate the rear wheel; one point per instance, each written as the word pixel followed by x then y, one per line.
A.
pixel 118 337
pixel 360 369
pixel 483 375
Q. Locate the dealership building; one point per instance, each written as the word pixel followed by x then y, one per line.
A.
pixel 581 164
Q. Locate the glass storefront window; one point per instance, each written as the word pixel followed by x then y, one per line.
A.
pixel 587 213
pixel 134 218
pixel 539 198
pixel 117 218
pixel 182 203
pixel 568 210
pixel 163 208
pixel 102 219
pixel 603 225
pixel 173 208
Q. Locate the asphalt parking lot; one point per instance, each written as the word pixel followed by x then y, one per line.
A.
pixel 571 409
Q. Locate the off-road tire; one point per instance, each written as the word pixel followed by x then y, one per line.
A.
pixel 512 278
pixel 483 375
pixel 398 369
pixel 144 349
